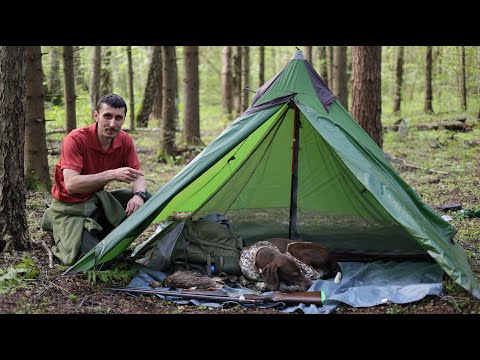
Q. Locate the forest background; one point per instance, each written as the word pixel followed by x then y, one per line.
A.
pixel 429 109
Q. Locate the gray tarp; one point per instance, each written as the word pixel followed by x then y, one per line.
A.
pixel 362 285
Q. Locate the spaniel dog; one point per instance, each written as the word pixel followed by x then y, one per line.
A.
pixel 287 265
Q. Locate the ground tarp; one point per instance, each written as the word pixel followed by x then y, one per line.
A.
pixel 362 285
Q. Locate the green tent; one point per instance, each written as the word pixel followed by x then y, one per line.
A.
pixel 295 164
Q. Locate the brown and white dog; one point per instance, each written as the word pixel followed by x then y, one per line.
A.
pixel 287 265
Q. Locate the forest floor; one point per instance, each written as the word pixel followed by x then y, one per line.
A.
pixel 442 166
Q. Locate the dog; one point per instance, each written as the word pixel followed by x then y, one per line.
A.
pixel 287 265
pixel 311 254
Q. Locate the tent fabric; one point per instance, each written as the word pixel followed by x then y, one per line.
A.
pixel 344 193
pixel 362 285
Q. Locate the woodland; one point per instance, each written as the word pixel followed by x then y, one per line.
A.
pixel 420 104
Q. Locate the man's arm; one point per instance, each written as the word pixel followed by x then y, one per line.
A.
pixel 76 183
pixel 140 184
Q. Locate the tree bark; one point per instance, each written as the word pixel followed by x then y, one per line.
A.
pixel 78 69
pixel 397 100
pixel 322 57
pixel 227 100
pixel 463 81
pixel 191 118
pixel 237 80
pixel 157 99
pixel 367 89
pixel 329 66
pixel 427 107
pixel 339 86
pixel 106 85
pixel 14 233
pixel 308 54
pixel 69 88
pixel 261 65
pixel 273 56
pixel 95 82
pixel 167 133
pixel 55 91
pixel 37 173
pixel 150 87
pixel 478 80
pixel 130 89
pixel 245 94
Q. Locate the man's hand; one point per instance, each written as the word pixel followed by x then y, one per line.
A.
pixel 133 205
pixel 127 174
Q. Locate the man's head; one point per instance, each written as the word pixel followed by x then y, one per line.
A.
pixel 112 100
pixel 110 115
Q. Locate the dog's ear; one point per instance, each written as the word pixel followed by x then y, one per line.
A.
pixel 270 276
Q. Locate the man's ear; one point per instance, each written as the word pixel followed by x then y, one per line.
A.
pixel 269 274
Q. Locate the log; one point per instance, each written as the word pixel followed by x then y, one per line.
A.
pixel 456 125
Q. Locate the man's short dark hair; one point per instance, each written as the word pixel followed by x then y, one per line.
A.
pixel 112 100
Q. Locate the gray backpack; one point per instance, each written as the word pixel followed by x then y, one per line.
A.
pixel 206 245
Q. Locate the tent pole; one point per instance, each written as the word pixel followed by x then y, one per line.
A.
pixel 292 226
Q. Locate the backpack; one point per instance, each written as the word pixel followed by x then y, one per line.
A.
pixel 206 245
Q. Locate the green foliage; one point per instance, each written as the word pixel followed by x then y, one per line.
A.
pixel 117 273
pixel 19 275
pixel 32 182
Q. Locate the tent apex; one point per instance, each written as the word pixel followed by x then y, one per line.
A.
pixel 298 55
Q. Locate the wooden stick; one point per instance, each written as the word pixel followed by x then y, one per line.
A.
pixel 50 254
pixel 418 167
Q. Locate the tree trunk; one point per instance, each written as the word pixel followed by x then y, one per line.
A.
pixel 55 91
pixel 150 87
pixel 308 54
pixel 329 66
pixel 13 221
pixel 227 101
pixel 95 82
pixel 397 100
pixel 157 99
pixel 131 107
pixel 478 80
pixel 273 57
pixel 77 64
pixel 463 81
pixel 261 65
pixel 167 133
pixel 37 172
pixel 191 118
pixel 322 57
pixel 245 94
pixel 106 85
pixel 367 89
pixel 237 80
pixel 69 88
pixel 339 86
pixel 428 81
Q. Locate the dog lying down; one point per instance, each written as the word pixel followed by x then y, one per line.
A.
pixel 287 265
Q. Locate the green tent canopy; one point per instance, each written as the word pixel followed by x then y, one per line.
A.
pixel 296 165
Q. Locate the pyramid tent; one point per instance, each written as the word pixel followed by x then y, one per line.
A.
pixel 295 164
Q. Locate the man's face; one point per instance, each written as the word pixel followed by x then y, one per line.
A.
pixel 110 121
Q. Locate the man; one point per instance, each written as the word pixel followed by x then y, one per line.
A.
pixel 82 212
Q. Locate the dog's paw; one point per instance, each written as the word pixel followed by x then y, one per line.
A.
pixel 338 277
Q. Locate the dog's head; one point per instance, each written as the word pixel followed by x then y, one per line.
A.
pixel 280 272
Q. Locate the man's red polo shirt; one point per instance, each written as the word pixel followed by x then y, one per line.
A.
pixel 82 152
